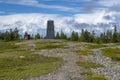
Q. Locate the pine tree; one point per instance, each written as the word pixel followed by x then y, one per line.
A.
pixel 16 34
pixel 82 37
pixel 74 36
pixel 7 36
pixel 115 35
pixel 57 35
pixel 62 35
pixel 37 36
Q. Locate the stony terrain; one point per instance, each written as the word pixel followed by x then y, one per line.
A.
pixel 110 69
pixel 69 69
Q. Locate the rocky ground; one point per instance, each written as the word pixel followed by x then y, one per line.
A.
pixel 110 69
pixel 70 70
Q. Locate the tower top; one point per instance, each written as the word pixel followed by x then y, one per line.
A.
pixel 50 20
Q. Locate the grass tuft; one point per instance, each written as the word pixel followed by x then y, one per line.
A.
pixel 113 53
pixel 47 45
pixel 93 46
pixel 97 78
pixel 84 52
pixel 87 64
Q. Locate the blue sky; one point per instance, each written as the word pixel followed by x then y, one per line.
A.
pixel 32 15
pixel 63 7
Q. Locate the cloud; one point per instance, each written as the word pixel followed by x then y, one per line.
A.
pixel 36 3
pixel 98 21
pixel 93 5
pixel 109 3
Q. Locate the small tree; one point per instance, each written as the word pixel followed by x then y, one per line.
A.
pixel 115 35
pixel 57 35
pixel 62 35
pixel 37 36
pixel 74 36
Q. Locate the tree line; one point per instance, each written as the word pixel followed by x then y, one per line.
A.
pixel 85 36
pixel 12 35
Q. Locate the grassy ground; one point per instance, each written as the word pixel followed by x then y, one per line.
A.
pixel 92 76
pixel 93 46
pixel 83 52
pixel 17 61
pixel 87 49
pixel 88 65
pixel 113 53
pixel 96 78
pixel 47 45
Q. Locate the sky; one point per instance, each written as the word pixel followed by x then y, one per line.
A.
pixel 32 15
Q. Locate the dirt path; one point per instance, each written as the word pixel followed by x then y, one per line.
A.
pixel 69 70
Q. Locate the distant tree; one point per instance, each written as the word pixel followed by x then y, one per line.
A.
pixel 62 35
pixel 74 36
pixel 82 37
pixel 92 36
pixel 7 36
pixel 26 33
pixel 115 35
pixel 37 36
pixel 10 35
pixel 57 35
pixel 16 34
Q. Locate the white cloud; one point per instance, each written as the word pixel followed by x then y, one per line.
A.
pixel 36 3
pixel 109 3
pixel 94 18
pixel 34 23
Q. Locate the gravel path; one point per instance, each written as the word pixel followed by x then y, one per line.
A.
pixel 69 70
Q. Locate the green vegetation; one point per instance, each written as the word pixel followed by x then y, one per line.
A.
pixel 89 73
pixel 84 52
pixel 10 35
pixel 74 36
pixel 93 46
pixel 47 45
pixel 113 53
pixel 17 62
pixel 37 36
pixel 91 76
pixel 61 35
pixel 87 64
pixel 96 78
pixel 86 36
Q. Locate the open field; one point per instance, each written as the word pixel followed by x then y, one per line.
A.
pixel 58 60
pixel 17 61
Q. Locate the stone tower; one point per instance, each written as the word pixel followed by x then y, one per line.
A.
pixel 50 30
